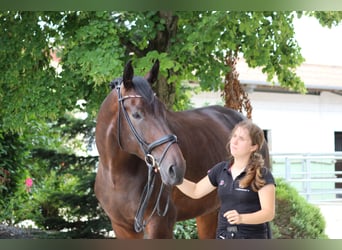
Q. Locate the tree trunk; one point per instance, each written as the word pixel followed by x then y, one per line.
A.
pixel 234 95
pixel 165 90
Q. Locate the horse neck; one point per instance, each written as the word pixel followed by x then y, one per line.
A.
pixel 175 121
pixel 106 127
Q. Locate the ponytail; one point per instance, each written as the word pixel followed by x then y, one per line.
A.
pixel 254 173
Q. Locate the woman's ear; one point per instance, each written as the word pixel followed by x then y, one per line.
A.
pixel 254 148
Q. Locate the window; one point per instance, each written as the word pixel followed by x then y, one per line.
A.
pixel 268 138
pixel 338 163
pixel 338 141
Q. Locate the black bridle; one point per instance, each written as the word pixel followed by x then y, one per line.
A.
pixel 147 148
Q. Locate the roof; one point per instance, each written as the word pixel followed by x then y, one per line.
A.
pixel 316 78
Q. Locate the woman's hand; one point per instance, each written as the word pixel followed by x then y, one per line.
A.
pixel 233 217
pixel 266 213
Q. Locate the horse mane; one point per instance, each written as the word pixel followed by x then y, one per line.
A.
pixel 143 88
pixel 140 85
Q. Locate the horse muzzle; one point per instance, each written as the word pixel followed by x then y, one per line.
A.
pixel 171 163
pixel 172 172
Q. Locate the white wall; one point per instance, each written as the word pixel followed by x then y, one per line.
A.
pixel 297 123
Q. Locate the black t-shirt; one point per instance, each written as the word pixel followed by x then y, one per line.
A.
pixel 232 197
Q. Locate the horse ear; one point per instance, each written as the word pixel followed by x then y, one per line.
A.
pixel 128 75
pixel 152 75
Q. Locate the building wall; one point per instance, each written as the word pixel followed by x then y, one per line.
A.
pixel 299 123
pixel 295 123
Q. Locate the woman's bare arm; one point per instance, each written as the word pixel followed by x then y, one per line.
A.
pixel 196 190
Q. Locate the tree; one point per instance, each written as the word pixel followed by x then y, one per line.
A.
pixel 94 46
pixel 190 45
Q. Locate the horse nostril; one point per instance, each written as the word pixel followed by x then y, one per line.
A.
pixel 175 175
pixel 172 172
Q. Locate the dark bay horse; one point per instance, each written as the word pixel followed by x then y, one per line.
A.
pixel 145 150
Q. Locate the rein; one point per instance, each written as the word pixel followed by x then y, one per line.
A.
pixel 147 148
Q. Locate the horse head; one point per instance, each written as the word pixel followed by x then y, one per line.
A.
pixel 142 128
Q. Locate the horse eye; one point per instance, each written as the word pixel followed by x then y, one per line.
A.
pixel 136 115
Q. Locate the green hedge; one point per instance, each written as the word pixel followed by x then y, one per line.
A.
pixel 295 218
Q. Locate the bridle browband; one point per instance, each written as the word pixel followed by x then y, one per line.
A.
pixel 147 148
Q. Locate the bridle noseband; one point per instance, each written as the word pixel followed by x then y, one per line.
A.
pixel 150 160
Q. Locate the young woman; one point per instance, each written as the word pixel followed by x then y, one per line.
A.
pixel 246 187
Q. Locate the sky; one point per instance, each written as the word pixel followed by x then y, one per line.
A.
pixel 320 45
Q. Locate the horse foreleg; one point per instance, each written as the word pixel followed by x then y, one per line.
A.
pixel 160 227
pixel 122 232
pixel 206 225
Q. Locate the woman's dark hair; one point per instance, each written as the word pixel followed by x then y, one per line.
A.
pixel 255 169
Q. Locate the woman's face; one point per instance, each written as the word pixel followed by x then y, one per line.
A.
pixel 241 143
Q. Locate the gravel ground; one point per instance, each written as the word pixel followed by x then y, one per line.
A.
pixel 10 232
pixel 331 212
